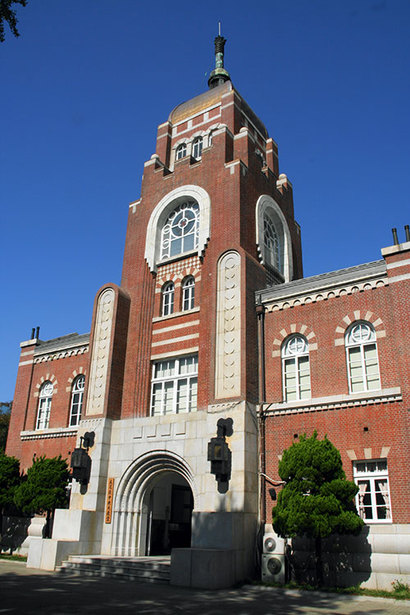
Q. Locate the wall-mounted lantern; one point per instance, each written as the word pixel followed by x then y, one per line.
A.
pixel 80 459
pixel 220 455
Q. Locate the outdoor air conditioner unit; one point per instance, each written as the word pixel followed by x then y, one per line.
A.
pixel 273 544
pixel 273 568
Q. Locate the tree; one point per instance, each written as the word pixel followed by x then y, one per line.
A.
pixel 44 488
pixel 9 15
pixel 9 481
pixel 5 411
pixel 316 500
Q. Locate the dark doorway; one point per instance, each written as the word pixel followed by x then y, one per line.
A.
pixel 171 505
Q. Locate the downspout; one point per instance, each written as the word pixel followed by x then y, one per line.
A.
pixel 260 312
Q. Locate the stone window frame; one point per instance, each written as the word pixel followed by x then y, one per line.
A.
pixel 44 405
pixel 160 215
pixel 197 147
pixel 295 358
pixel 363 346
pixel 368 474
pixel 181 151
pixel 76 401
pixel 267 207
pixel 188 293
pixel 171 384
pixel 173 233
pixel 168 298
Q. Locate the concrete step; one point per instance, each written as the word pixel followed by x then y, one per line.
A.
pixel 143 569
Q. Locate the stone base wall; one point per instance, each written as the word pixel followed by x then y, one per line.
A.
pixel 375 559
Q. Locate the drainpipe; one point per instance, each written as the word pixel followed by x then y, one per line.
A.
pixel 260 312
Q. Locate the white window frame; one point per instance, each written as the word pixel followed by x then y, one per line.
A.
pixel 181 151
pixel 272 244
pixel 188 293
pixel 174 386
pixel 360 339
pixel 197 147
pixel 182 225
pixel 77 398
pixel 44 405
pixel 168 299
pixel 295 351
pixel 368 474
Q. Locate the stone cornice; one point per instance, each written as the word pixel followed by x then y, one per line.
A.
pixel 61 354
pixel 334 402
pixel 326 286
pixel 56 432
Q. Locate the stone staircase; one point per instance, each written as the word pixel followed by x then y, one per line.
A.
pixel 154 569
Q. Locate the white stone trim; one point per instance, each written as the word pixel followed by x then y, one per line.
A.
pixel 334 402
pixel 400 278
pixel 175 315
pixel 175 340
pixel 263 203
pixel 175 353
pixel 402 263
pixel 183 325
pixel 401 247
pixel 161 212
pixel 61 354
pixel 56 432
pixel 32 342
pixel 25 363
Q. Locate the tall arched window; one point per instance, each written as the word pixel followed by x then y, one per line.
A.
pixel 44 405
pixel 197 148
pixel 362 359
pixel 180 231
pixel 271 243
pixel 188 293
pixel 77 394
pixel 180 152
pixel 296 368
pixel 168 293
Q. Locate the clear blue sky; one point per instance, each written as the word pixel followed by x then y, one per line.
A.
pixel 88 81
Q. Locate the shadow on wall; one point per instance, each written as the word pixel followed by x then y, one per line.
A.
pixel 346 559
pixel 13 532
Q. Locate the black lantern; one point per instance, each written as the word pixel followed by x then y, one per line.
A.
pixel 220 455
pixel 80 459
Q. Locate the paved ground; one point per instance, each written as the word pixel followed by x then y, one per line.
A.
pixel 33 592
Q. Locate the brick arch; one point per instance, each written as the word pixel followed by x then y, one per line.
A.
pixel 76 372
pixel 179 275
pixel 301 328
pixel 43 379
pixel 356 315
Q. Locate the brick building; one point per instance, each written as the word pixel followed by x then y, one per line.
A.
pixel 213 321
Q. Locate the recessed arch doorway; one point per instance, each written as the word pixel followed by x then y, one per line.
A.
pixel 153 506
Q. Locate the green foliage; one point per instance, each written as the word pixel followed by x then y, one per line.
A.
pixel 9 15
pixel 9 479
pixel 45 486
pixel 5 411
pixel 316 500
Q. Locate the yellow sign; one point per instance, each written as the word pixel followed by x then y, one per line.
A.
pixel 110 497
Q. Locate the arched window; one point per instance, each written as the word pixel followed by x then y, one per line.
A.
pixel 362 359
pixel 188 293
pixel 210 138
pixel 197 148
pixel 271 243
pixel 296 369
pixel 180 152
pixel 168 293
pixel 44 405
pixel 77 394
pixel 180 231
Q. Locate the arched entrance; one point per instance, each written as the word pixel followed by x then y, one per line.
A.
pixel 153 506
pixel 170 504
